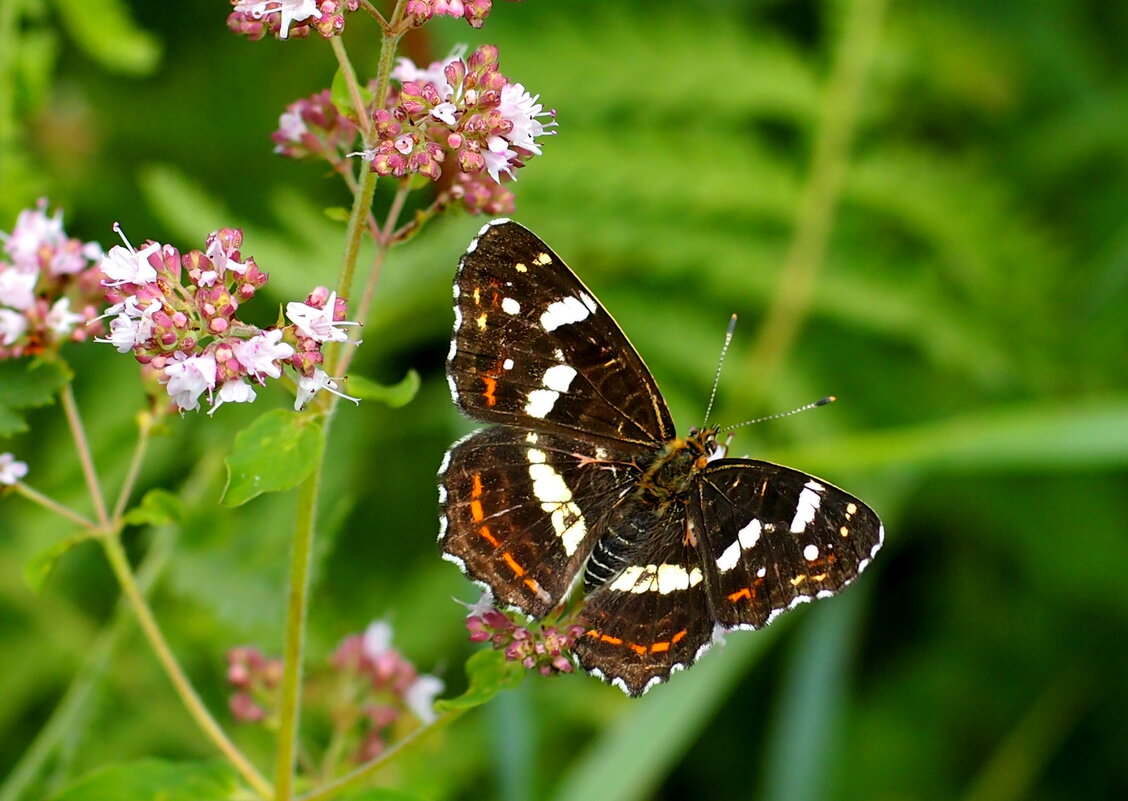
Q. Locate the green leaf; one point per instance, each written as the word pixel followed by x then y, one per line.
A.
pixel 381 794
pixel 395 395
pixel 26 383
pixel 339 94
pixel 155 780
pixel 39 567
pixel 490 673
pixel 276 452
pixel 107 33
pixel 159 507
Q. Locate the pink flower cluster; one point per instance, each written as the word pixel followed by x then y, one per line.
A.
pixel 545 649
pixel 190 334
pixel 284 18
pixel 49 290
pixel 473 11
pixel 255 679
pixel 373 687
pixel 314 127
pixel 461 107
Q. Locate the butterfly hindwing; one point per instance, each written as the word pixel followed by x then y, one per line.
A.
pixel 522 510
pixel 532 347
pixel 652 617
pixel 778 537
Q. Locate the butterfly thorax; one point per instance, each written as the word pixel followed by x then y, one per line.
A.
pixel 667 480
pixel 670 476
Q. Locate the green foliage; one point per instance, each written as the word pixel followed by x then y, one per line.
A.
pixel 155 780
pixel 27 384
pixel 489 673
pixel 393 395
pixel 276 452
pixel 969 314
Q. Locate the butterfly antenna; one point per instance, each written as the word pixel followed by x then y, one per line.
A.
pixel 720 364
pixel 805 407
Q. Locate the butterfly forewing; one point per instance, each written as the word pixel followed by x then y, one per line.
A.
pixel 776 537
pixel 522 513
pixel 532 347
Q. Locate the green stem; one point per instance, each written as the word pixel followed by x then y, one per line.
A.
pixel 138 459
pixel 363 116
pixel 69 714
pixel 82 448
pixel 821 193
pixel 297 603
pixel 358 777
pixel 56 507
pixel 119 563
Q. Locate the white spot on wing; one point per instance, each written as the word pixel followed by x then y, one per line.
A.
pixel 558 377
pixel 811 552
pixel 510 306
pixel 556 500
pixel 564 312
pixel 662 579
pixel 540 402
pixel 809 501
pixel 587 299
pixel 746 538
pixel 507 364
pixel 729 558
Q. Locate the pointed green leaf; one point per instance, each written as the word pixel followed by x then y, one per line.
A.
pixel 489 673
pixel 39 567
pixel 156 780
pixel 394 395
pixel 107 33
pixel 276 452
pixel 26 383
pixel 158 508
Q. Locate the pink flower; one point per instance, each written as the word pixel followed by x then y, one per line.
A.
pixel 17 287
pixel 308 386
pixel 236 391
pixel 13 325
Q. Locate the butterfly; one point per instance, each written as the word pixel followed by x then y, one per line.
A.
pixel 583 478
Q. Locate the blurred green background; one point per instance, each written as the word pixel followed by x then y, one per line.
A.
pixel 947 177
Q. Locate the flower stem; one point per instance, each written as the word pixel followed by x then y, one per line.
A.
pixel 119 563
pixel 297 603
pixel 819 199
pixel 82 447
pixel 145 427
pixel 50 503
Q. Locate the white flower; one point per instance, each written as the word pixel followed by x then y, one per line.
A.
pixel 61 319
pixel 132 326
pixel 17 287
pixel 317 324
pixel 124 265
pixel 292 127
pixel 34 230
pixel 308 387
pixel 497 158
pixel 188 378
pixel 221 260
pixel 237 391
pixel 444 112
pixel 420 697
pixel 377 639
pixel 259 354
pixel 11 471
pixel 291 10
pixel 522 109
pixel 12 326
